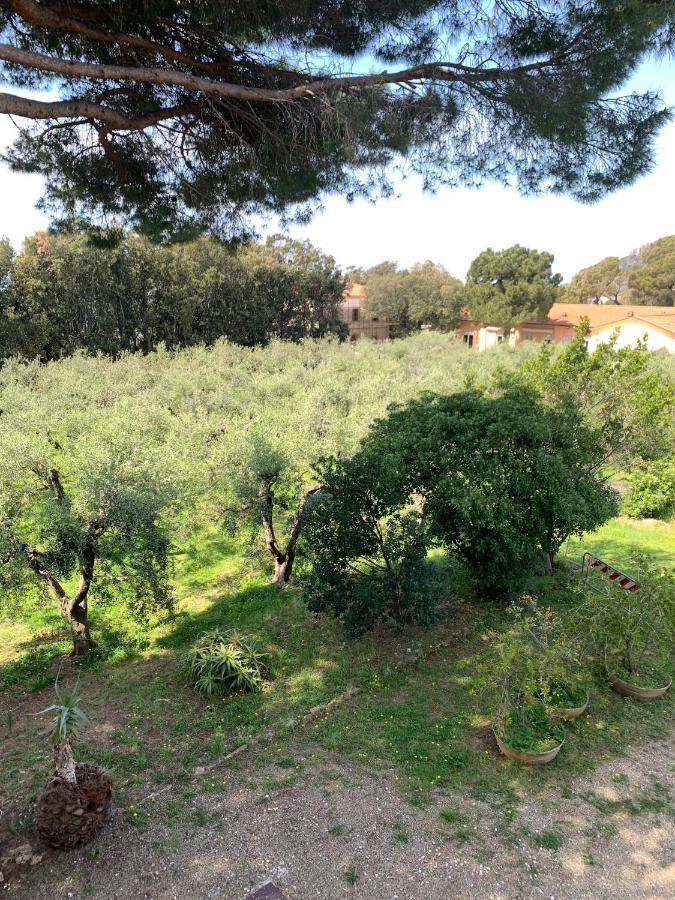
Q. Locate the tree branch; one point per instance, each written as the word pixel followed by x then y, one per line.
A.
pixel 86 110
pixel 33 559
pixel 437 71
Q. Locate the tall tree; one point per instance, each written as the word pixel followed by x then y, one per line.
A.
pixel 507 287
pixel 652 279
pixel 67 294
pixel 426 294
pixel 590 285
pixel 174 116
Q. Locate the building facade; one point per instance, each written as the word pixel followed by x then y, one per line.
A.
pixel 360 325
pixel 655 324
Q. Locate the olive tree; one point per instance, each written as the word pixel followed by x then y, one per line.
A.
pixel 87 475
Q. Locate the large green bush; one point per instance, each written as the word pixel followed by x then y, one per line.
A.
pixel 505 479
pixel 652 490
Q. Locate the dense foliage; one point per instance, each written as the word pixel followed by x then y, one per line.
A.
pixel 645 277
pixel 511 286
pixel 64 293
pixel 504 479
pixel 603 279
pixel 368 546
pixel 425 294
pixel 174 116
pixel 652 489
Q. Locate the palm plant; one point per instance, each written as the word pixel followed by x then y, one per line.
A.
pixel 74 803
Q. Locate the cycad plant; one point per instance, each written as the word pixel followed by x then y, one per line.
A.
pixel 224 662
pixel 74 803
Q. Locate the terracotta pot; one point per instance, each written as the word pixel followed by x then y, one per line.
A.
pixel 569 712
pixel 632 690
pixel 529 758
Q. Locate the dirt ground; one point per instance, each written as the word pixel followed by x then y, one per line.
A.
pixel 339 832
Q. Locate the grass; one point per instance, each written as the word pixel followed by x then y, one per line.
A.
pixel 618 538
pixel 422 724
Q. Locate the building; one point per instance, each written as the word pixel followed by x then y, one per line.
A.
pixel 351 312
pixel 654 323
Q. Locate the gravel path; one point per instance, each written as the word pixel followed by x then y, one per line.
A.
pixel 339 832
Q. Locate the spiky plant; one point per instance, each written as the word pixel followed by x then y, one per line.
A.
pixel 74 803
pixel 223 662
pixel 67 721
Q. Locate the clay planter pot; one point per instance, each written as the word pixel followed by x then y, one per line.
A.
pixel 529 758
pixel 570 712
pixel 632 690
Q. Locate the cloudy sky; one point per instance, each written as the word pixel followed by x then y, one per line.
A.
pixel 453 226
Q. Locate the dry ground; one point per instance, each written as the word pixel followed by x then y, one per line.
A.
pixel 337 831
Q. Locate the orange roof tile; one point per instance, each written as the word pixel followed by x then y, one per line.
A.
pixel 602 315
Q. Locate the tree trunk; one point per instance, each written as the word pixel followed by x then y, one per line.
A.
pixel 548 562
pixel 75 613
pixel 283 560
pixel 73 610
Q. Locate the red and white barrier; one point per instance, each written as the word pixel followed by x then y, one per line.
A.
pixel 624 581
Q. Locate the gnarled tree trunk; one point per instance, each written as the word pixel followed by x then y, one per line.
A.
pixel 73 609
pixel 283 559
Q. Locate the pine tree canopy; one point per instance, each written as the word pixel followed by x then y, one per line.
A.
pixel 172 117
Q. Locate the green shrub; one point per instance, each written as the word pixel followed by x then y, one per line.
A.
pixel 632 634
pixel 528 729
pixel 652 490
pixel 534 666
pixel 368 546
pixel 224 662
pixel 506 479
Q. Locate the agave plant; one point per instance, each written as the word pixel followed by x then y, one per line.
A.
pixel 74 803
pixel 223 662
pixel 69 718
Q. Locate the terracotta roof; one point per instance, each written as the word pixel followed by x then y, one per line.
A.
pixel 603 315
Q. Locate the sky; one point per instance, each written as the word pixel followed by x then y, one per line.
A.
pixel 453 226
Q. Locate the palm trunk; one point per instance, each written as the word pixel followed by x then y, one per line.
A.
pixel 64 764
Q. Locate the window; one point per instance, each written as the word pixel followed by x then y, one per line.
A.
pixel 355 315
pixel 468 338
pixel 500 338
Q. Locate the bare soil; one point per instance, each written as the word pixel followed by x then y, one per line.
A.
pixel 330 830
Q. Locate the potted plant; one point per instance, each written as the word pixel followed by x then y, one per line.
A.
pixel 532 675
pixel 632 634
pixel 75 802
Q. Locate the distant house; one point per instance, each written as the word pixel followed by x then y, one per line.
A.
pixel 351 312
pixel 655 323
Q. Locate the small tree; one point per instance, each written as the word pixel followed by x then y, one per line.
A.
pixel 266 488
pixel 83 490
pixel 368 545
pixel 622 398
pixel 632 634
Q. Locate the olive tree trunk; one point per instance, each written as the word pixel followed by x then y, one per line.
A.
pixel 73 609
pixel 283 559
